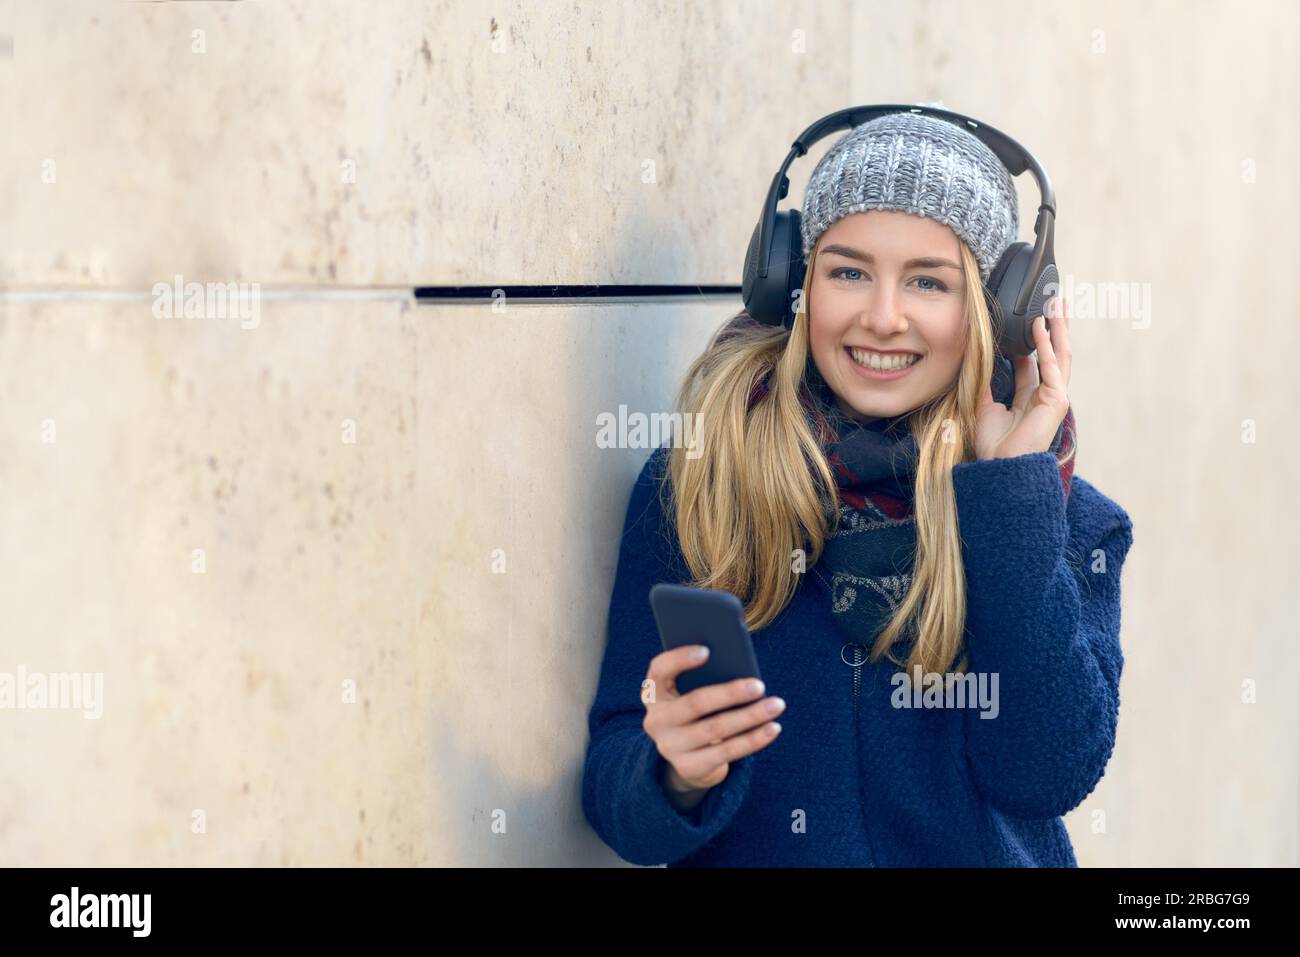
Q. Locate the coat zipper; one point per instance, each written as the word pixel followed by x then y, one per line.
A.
pixel 858 653
pixel 854 655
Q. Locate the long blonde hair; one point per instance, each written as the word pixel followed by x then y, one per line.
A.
pixel 761 489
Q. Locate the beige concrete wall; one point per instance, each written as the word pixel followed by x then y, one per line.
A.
pixel 349 465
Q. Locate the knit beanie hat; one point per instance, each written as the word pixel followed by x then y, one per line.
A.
pixel 921 165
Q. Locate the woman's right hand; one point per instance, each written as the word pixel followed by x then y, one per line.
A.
pixel 700 733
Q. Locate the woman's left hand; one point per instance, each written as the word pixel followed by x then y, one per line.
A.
pixel 1040 402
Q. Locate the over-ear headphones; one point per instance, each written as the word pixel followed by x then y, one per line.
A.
pixel 1023 280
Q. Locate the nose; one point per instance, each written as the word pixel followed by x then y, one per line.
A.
pixel 882 313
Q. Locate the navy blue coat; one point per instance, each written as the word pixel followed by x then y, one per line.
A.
pixel 853 780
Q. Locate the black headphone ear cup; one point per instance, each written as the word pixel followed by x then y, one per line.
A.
pixel 784 251
pixel 798 269
pixel 1047 286
pixel 1004 284
pixel 1000 269
pixel 749 275
pixel 768 299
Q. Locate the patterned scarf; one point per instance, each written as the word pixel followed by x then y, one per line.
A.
pixel 866 563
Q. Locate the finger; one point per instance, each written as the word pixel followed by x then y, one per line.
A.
pixel 1048 366
pixel 1061 338
pixel 667 665
pixel 1026 381
pixel 711 699
pixel 716 728
pixel 700 762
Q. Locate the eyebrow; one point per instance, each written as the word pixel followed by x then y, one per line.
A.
pixel 925 262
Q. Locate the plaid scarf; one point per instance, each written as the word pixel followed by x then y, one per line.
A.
pixel 866 563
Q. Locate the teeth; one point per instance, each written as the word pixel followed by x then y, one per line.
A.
pixel 874 360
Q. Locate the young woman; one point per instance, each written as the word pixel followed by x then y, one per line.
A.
pixel 897 532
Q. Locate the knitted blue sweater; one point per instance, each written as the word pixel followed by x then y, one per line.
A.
pixel 854 780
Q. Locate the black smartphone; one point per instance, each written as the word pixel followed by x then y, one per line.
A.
pixel 705 616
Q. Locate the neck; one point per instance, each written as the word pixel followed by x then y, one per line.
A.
pixel 854 414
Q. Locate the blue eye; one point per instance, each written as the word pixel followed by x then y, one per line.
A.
pixel 937 287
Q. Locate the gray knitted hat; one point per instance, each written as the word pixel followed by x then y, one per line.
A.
pixel 917 164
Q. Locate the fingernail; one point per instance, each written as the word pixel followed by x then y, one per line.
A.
pixel 700 653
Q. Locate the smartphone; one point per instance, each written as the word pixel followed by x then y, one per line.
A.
pixel 705 616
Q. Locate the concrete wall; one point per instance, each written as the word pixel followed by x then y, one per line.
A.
pixel 349 464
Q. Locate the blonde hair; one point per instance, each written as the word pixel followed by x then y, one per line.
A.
pixel 761 488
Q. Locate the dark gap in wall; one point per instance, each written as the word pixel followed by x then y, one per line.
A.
pixel 557 295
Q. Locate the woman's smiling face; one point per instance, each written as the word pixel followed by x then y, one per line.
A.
pixel 892 282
